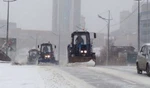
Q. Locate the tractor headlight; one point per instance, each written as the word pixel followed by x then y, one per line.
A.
pixel 47 56
pixel 81 51
pixel 85 51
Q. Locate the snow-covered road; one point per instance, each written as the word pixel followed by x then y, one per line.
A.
pixel 111 76
pixel 31 76
pixel 37 77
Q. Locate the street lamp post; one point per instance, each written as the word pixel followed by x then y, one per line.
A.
pixel 8 5
pixel 138 24
pixel 58 52
pixel 108 34
pixel 36 41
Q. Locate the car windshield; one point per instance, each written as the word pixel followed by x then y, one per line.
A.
pixel 33 52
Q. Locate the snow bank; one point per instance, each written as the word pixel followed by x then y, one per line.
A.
pixel 91 63
pixel 56 78
pixel 19 77
pixel 37 77
pixel 21 56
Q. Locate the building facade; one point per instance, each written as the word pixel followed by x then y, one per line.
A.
pixel 66 15
pixel 145 24
pixel 127 33
pixel 66 18
pixel 82 22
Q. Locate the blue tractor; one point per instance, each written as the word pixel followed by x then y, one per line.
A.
pixel 47 53
pixel 80 49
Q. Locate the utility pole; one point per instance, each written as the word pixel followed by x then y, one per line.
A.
pixel 59 45
pixel 7 28
pixel 147 20
pixel 58 35
pixel 138 24
pixel 36 40
pixel 8 7
pixel 108 35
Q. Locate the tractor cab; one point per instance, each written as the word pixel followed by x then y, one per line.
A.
pixel 46 48
pixel 81 43
pixel 46 53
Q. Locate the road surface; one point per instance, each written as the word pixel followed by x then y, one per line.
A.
pixel 23 76
pixel 32 76
pixel 110 77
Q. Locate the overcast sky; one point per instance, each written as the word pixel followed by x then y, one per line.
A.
pixel 37 14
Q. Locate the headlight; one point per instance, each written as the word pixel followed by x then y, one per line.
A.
pixel 81 51
pixel 85 51
pixel 47 56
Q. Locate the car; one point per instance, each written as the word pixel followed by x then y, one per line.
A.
pixel 143 59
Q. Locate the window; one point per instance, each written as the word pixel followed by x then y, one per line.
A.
pixel 46 48
pixel 33 52
pixel 78 38
pixel 142 49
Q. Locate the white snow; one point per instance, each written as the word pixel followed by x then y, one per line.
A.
pixel 130 76
pixel 90 63
pixel 37 77
pixel 19 77
pixel 21 56
pixel 61 79
pixel 97 51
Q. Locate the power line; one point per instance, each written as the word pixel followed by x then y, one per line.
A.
pixel 103 28
pixel 128 15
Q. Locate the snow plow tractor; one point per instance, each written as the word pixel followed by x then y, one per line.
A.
pixel 33 56
pixel 47 54
pixel 80 49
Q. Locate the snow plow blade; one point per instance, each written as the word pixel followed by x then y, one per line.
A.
pixel 80 59
pixel 4 57
pixel 48 61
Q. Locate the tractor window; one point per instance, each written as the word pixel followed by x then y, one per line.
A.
pixel 80 39
pixel 33 52
pixel 46 48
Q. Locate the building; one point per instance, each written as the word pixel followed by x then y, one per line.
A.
pixel 76 14
pixel 124 25
pixel 82 22
pixel 145 24
pixel 66 18
pixel 126 35
pixel 3 27
pixel 55 23
pixel 66 15
pixel 128 22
